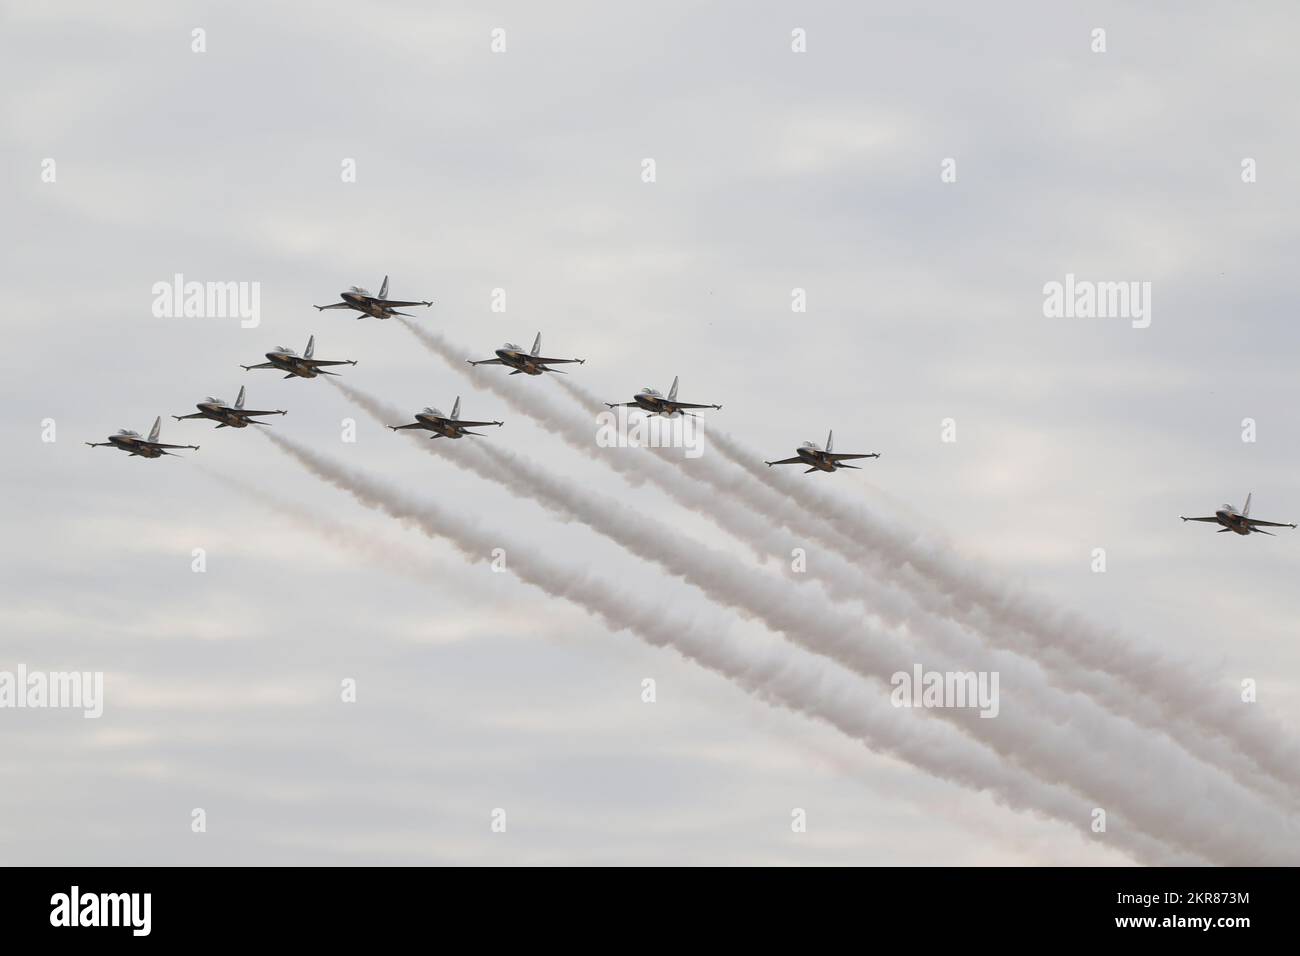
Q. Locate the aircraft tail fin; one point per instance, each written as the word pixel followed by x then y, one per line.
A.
pixel 1245 509
pixel 239 402
pixel 672 392
pixel 383 289
pixel 830 440
pixel 157 427
pixel 455 409
pixel 311 347
pixel 537 345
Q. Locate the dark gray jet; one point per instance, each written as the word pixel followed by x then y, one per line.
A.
pixel 652 401
pixel 821 459
pixel 298 366
pixel 376 306
pixel 130 441
pixel 228 416
pixel 1240 522
pixel 529 363
pixel 443 426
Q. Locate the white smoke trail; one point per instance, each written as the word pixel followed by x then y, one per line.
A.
pixel 1053 755
pixel 778 677
pixel 1152 690
pixel 682 479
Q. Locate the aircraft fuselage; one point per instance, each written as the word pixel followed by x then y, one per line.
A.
pixel 291 364
pixel 519 361
pixel 815 459
pixel 219 413
pixel 135 446
pixel 440 425
pixel 655 404
pixel 1232 521
pixel 364 303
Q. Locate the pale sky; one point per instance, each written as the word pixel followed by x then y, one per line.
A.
pixel 522 170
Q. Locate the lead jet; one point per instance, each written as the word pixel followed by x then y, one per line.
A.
pixel 821 459
pixel 653 401
pixel 443 426
pixel 130 441
pixel 299 366
pixel 1240 522
pixel 529 363
pixel 376 306
pixel 228 416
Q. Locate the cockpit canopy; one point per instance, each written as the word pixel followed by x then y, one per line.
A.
pixel 511 347
pixel 432 411
pixel 215 401
pixel 811 444
pixel 649 391
pixel 1227 507
pixel 285 350
pixel 360 291
pixel 128 433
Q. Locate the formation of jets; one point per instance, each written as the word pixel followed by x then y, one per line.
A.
pixel 444 426
pixel 520 362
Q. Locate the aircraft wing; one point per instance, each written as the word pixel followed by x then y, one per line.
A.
pixel 1213 518
pixel 550 361
pixel 689 405
pixel 158 444
pixel 496 361
pixel 838 457
pixel 253 411
pixel 1269 524
pixel 393 303
pixel 336 305
pixel 460 424
pixel 317 363
pixel 786 461
pixel 263 365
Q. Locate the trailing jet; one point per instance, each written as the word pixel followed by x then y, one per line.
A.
pixel 443 426
pixel 821 459
pixel 228 416
pixel 1240 521
pixel 652 401
pixel 376 306
pixel 530 363
pixel 299 366
pixel 130 441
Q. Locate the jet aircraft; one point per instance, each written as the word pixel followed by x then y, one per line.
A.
pixel 1240 522
pixel 821 459
pixel 130 441
pixel 299 366
pixel 529 363
pixel 443 426
pixel 653 401
pixel 376 306
pixel 228 416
